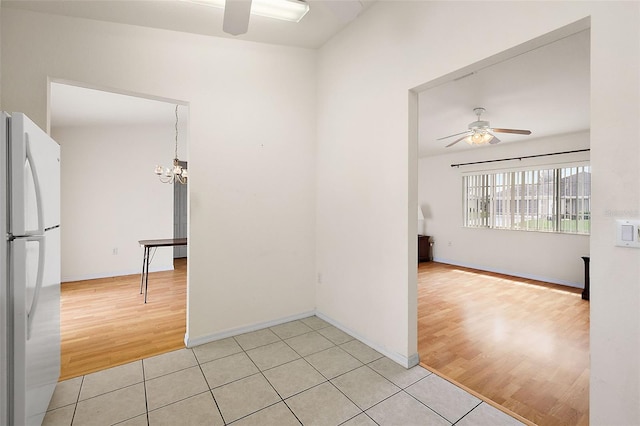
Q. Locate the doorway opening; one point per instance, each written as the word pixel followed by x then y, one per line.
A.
pixel 110 200
pixel 497 278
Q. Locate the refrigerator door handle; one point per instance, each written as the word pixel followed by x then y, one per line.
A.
pixel 37 187
pixel 32 309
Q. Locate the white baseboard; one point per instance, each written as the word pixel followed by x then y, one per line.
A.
pixel 197 341
pixel 406 362
pixel 84 277
pixel 512 273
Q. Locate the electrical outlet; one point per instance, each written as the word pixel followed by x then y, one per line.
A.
pixel 115 251
pixel 449 244
pixel 319 277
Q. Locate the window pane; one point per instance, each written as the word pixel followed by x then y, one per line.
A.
pixel 575 200
pixel 547 200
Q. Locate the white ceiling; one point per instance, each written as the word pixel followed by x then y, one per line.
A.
pixel 545 90
pixel 324 19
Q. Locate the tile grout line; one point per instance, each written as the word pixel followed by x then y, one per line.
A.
pixel 75 408
pixel 365 413
pixel 291 411
pixel 467 413
pixel 327 380
pixel 335 345
pixel 301 357
pixel 404 390
pixel 259 372
pixel 180 400
pixel 144 383
pixel 177 371
pixel 210 390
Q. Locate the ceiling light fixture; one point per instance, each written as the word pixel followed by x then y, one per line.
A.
pixel 176 173
pixel 285 10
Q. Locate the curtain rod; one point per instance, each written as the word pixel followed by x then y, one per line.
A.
pixel 520 158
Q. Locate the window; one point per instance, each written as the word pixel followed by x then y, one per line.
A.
pixel 547 200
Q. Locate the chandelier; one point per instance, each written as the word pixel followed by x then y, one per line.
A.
pixel 176 173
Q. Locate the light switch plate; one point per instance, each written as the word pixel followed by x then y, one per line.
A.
pixel 628 233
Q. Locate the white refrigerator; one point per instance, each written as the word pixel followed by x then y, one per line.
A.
pixel 29 270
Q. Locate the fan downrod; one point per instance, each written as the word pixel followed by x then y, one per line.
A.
pixel 479 111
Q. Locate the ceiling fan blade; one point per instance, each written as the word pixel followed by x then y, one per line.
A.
pixel 495 139
pixel 450 136
pixel 516 131
pixel 456 141
pixel 236 16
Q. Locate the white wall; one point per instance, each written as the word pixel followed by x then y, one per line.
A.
pixel 111 198
pixel 367 167
pixel 538 255
pixel 251 149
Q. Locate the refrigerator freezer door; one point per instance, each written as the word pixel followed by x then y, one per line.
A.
pixel 35 178
pixel 36 321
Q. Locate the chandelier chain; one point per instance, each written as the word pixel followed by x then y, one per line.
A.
pixel 176 173
pixel 176 153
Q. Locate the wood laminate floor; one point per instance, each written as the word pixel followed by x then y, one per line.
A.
pixel 521 343
pixel 104 322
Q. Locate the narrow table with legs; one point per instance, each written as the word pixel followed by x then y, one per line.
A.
pixel 148 245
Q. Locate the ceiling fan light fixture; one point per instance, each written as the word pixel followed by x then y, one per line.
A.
pixel 284 10
pixel 481 133
pixel 479 138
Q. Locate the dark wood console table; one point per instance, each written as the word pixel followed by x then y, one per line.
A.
pixel 425 248
pixel 148 245
pixel 587 284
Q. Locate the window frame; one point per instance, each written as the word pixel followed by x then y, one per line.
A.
pixel 541 198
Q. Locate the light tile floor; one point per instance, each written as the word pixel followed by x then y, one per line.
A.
pixel 302 372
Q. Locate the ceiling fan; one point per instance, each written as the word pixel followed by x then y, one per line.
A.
pixel 480 132
pixel 238 12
